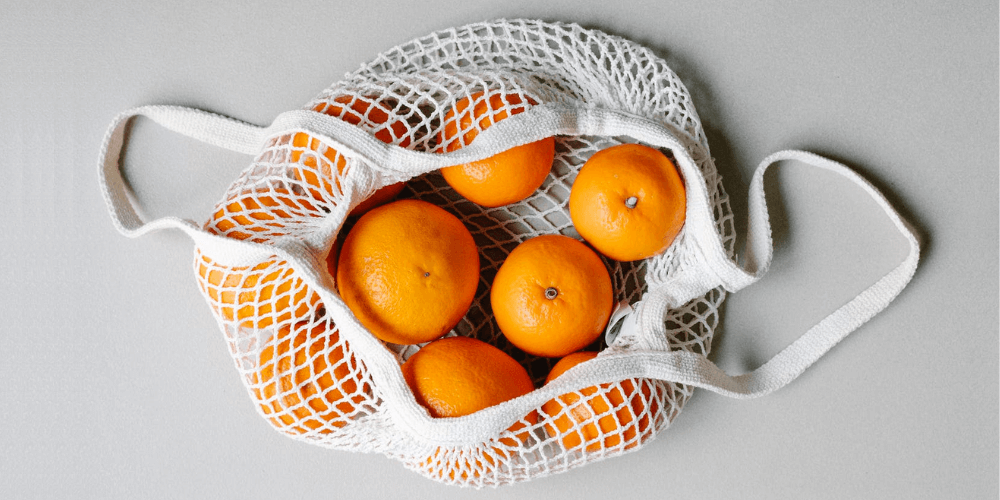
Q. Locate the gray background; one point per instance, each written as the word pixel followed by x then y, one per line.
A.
pixel 117 383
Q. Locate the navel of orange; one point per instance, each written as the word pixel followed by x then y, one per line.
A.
pixel 628 201
pixel 552 296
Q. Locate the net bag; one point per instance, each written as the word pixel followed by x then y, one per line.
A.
pixel 317 375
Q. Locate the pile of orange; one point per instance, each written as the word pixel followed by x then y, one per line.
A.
pixel 409 271
pixel 628 202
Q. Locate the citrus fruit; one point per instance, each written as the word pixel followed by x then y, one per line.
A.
pixel 604 416
pixel 262 215
pixel 628 202
pixel 409 271
pixel 256 296
pixel 552 296
pixel 506 177
pixel 267 293
pixel 306 381
pixel 362 111
pixel 457 376
pixel 371 113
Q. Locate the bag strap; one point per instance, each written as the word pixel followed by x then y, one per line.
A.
pixel 243 137
pixel 207 127
pixel 210 128
pixel 696 370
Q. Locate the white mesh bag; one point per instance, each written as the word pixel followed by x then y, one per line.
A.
pixel 319 376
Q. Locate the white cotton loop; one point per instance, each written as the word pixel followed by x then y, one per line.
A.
pixel 621 324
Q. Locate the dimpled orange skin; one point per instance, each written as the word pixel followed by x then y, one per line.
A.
pixel 617 423
pixel 457 376
pixel 504 178
pixel 408 271
pixel 256 216
pixel 570 320
pixel 354 114
pixel 599 198
pixel 299 389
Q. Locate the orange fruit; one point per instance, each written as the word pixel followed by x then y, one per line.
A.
pixel 457 376
pixel 362 111
pixel 255 296
pixel 604 416
pixel 552 296
pixel 409 271
pixel 373 113
pixel 262 215
pixel 267 293
pixel 628 202
pixel 506 177
pixel 307 381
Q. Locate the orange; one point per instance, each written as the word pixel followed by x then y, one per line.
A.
pixel 307 381
pixel 457 376
pixel 628 202
pixel 504 178
pixel 267 293
pixel 409 271
pixel 375 116
pixel 552 296
pixel 262 215
pixel 361 111
pixel 255 296
pixel 604 416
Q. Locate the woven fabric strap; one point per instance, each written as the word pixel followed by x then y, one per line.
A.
pixel 675 366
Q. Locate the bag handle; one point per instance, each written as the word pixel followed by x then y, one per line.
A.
pixel 759 244
pixel 207 127
pixel 697 370
pixel 204 126
pixel 235 135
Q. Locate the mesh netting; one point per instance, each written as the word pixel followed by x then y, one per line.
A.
pixel 312 381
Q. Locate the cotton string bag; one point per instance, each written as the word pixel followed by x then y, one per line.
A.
pixel 317 375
